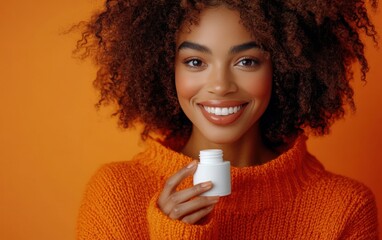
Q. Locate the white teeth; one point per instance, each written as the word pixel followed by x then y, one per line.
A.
pixel 222 111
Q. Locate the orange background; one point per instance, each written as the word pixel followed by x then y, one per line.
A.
pixel 52 139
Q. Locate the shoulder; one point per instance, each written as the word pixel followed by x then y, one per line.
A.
pixel 118 185
pixel 120 174
pixel 346 186
pixel 345 193
pixel 337 186
pixel 354 203
pixel 137 175
pixel 114 201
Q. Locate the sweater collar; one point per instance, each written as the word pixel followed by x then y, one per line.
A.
pixel 290 172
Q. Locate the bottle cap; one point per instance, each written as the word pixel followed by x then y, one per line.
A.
pixel 211 156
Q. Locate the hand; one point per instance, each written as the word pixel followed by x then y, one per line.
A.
pixel 186 205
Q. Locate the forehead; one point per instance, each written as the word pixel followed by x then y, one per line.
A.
pixel 215 24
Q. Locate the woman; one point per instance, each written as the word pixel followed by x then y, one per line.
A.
pixel 250 77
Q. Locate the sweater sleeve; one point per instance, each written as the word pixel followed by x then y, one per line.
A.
pixel 162 227
pixel 107 210
pixel 364 221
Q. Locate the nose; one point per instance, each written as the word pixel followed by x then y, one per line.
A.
pixel 221 82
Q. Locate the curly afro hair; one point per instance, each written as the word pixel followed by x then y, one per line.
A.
pixel 312 44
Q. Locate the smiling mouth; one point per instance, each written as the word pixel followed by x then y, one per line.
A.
pixel 223 111
pixel 224 114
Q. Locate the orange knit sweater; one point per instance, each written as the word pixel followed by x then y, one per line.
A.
pixel 291 197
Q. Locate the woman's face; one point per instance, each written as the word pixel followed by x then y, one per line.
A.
pixel 223 79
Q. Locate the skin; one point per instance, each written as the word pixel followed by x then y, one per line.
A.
pixel 212 72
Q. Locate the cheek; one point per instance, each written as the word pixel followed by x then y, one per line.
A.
pixel 186 84
pixel 259 86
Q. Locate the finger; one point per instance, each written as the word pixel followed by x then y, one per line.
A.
pixel 184 196
pixel 197 216
pixel 189 193
pixel 192 206
pixel 173 182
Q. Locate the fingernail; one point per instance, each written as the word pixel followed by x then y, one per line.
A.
pixel 210 207
pixel 206 185
pixel 215 200
pixel 191 165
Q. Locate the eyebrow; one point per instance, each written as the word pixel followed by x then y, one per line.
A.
pixel 204 49
pixel 194 46
pixel 243 47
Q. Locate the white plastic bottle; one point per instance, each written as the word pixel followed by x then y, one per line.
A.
pixel 213 168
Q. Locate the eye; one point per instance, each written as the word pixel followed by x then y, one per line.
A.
pixel 248 62
pixel 194 63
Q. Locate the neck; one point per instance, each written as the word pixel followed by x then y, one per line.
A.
pixel 248 150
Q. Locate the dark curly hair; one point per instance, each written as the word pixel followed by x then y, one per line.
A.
pixel 312 44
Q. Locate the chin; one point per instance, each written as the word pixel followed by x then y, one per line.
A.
pixel 221 138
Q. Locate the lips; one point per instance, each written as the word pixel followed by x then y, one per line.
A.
pixel 222 112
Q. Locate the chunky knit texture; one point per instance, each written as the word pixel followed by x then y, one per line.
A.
pixel 291 197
